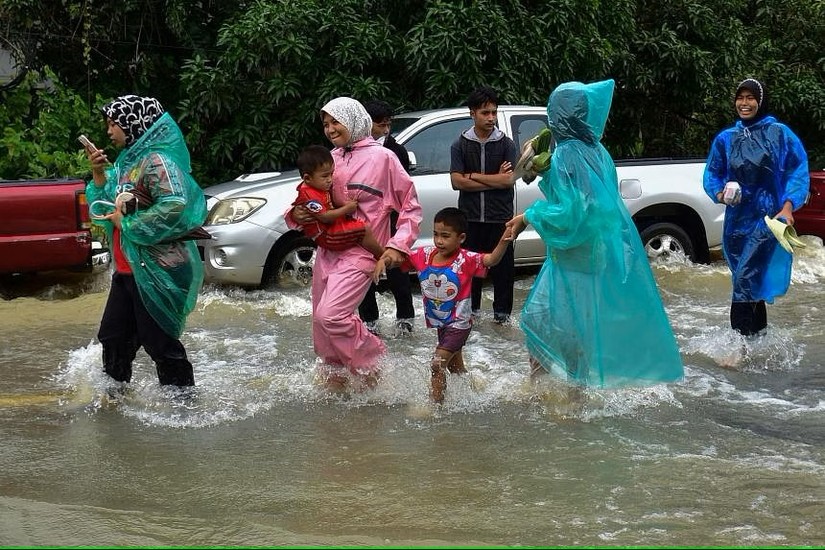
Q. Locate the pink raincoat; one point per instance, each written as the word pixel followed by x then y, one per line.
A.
pixel 371 174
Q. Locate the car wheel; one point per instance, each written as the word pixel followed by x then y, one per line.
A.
pixel 292 265
pixel 663 240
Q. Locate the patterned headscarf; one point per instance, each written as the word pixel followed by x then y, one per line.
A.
pixel 133 114
pixel 758 90
pixel 352 115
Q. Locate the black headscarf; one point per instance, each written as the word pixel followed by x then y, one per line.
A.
pixel 760 93
pixel 133 114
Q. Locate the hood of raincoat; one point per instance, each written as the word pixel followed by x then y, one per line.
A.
pixel 165 137
pixel 352 115
pixel 579 111
pixel 760 92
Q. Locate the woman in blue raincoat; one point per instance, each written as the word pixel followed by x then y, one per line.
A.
pixel 770 165
pixel 594 316
pixel 158 271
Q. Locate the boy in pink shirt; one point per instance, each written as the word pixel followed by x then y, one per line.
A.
pixel 446 271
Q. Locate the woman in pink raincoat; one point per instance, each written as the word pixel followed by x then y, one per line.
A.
pixel 371 174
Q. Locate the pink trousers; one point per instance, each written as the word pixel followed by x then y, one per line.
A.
pixel 339 336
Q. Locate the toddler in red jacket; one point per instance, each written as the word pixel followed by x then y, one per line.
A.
pixel 333 227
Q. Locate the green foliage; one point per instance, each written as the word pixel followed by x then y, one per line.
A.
pixel 41 120
pixel 256 104
pixel 246 79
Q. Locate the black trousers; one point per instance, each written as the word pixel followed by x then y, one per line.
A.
pixel 126 326
pixel 748 318
pixel 483 237
pixel 399 282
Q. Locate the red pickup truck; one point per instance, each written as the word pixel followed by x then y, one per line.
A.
pixel 810 219
pixel 45 226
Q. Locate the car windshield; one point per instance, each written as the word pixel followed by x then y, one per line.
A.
pixel 400 123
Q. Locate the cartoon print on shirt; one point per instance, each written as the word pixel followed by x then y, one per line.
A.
pixel 314 206
pixel 440 286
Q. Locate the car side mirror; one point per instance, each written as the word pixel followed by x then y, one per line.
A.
pixel 412 160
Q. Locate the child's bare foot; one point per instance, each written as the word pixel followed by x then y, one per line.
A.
pixel 369 381
pixel 336 383
pixel 536 370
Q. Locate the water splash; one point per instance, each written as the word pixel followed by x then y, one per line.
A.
pixel 770 352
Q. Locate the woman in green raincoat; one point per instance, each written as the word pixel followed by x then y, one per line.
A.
pixel 158 272
pixel 594 316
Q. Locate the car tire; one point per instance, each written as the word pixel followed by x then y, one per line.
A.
pixel 290 264
pixel 663 240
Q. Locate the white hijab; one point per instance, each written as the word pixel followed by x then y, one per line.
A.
pixel 352 115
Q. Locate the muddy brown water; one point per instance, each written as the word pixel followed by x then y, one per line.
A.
pixel 262 455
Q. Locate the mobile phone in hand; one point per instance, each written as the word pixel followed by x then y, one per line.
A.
pixel 86 143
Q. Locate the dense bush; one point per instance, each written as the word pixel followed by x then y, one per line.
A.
pixel 41 120
pixel 246 79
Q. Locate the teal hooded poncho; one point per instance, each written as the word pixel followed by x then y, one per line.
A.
pixel 594 315
pixel 166 266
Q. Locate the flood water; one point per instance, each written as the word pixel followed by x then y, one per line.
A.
pixel 262 455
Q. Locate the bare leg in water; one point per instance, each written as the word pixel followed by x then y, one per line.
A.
pixel 444 361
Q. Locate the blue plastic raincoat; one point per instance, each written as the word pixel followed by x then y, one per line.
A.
pixel 594 315
pixel 771 166
pixel 167 270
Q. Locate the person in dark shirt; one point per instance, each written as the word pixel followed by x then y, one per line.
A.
pixel 398 280
pixel 481 169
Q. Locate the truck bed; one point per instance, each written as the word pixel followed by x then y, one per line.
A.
pixel 44 226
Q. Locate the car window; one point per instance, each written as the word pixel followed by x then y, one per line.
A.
pixel 526 127
pixel 401 123
pixel 431 145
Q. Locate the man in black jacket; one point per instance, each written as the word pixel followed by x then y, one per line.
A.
pixel 481 166
pixel 399 281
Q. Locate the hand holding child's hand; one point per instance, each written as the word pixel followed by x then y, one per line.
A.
pixel 380 270
pixel 514 227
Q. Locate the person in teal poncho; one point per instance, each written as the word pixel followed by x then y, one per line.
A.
pixel 594 316
pixel 770 165
pixel 158 271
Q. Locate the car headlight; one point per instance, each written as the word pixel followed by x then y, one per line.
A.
pixel 233 210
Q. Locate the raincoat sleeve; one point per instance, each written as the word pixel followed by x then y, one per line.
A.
pixel 796 178
pixel 104 192
pixel 404 200
pixel 176 204
pixel 716 168
pixel 560 218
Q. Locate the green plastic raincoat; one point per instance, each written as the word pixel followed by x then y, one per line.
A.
pixel 156 238
pixel 594 315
